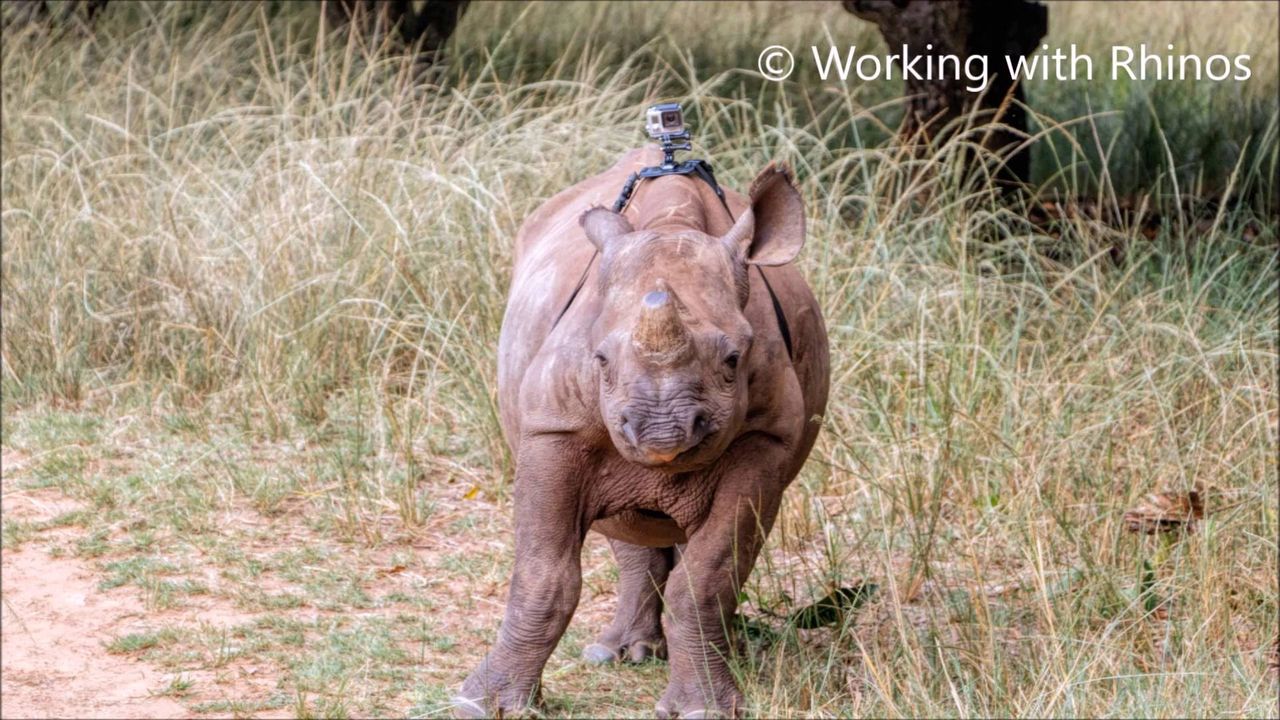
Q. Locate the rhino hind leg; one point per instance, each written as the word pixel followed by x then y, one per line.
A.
pixel 636 632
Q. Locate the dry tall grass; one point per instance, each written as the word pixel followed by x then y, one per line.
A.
pixel 210 208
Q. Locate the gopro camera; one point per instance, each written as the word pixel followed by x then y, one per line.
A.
pixel 664 119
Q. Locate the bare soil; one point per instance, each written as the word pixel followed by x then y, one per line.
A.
pixel 56 624
pixel 58 621
pixel 55 663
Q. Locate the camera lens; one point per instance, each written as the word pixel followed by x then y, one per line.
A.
pixel 670 118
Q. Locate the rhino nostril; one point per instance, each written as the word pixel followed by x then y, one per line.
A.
pixel 701 426
pixel 629 430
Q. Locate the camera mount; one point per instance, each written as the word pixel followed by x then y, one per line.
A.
pixel 670 144
pixel 665 123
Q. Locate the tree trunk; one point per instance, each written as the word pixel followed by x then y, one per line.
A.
pixel 427 28
pixel 37 11
pixel 992 28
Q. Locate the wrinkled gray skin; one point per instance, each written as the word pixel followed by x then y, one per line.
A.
pixel 662 411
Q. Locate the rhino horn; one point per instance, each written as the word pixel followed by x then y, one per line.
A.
pixel 660 331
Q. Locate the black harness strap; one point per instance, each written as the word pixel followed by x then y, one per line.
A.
pixel 702 169
pixel 576 289
pixel 699 168
pixel 783 327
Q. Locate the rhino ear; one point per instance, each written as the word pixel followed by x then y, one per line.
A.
pixel 772 231
pixel 602 225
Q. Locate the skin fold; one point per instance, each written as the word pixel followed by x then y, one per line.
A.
pixel 662 410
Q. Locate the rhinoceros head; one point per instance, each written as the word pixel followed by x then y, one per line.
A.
pixel 672 343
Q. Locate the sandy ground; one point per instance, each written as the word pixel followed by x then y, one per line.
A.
pixel 56 623
pixel 55 664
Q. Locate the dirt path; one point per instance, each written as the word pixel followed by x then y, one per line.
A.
pixel 55 663
pixel 55 626
pixel 57 623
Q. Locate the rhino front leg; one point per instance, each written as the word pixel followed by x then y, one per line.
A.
pixel 545 583
pixel 636 632
pixel 702 591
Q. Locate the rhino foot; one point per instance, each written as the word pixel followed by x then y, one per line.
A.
pixel 470 708
pixel 683 699
pixel 490 692
pixel 600 654
pixel 603 651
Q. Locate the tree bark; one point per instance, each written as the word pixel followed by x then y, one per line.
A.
pixel 428 28
pixel 990 28
pixel 33 11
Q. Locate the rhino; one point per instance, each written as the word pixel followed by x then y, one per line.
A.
pixel 662 376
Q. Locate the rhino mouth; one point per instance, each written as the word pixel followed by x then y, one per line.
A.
pixel 653 458
pixel 660 446
pixel 697 447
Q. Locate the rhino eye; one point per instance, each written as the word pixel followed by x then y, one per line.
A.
pixel 600 359
pixel 732 360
